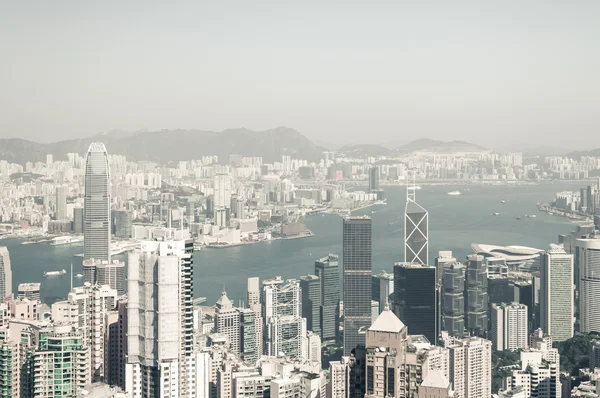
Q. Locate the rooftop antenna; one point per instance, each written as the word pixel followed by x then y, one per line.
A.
pixel 411 186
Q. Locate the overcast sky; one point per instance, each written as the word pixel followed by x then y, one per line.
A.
pixel 517 71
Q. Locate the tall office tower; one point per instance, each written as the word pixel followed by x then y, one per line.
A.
pixel 416 230
pixel 5 273
pixel 160 315
pixel 339 371
pixel 509 327
pixel 382 286
pixel 30 291
pixel 415 298
pixel 248 336
pixel 255 305
pixel 61 363
pixel 190 212
pixel 240 208
pixel 476 296
pixel 78 224
pixel 227 322
pixel 121 223
pixel 310 286
pixel 86 307
pixel 357 280
pixel 556 293
pixel 285 329
pixel 61 203
pixel 112 274
pixel 374 178
pixel 222 198
pixel 587 281
pixel 327 270
pixel 443 258
pixel 97 220
pixel 453 299
pixel 471 367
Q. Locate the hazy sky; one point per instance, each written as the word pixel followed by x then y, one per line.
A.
pixel 356 71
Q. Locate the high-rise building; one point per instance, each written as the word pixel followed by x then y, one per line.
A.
pixel 536 377
pixel 255 305
pixel 30 291
pixel 453 299
pixel 227 322
pixel 470 367
pixel 509 327
pixel 327 270
pixel 476 296
pixel 416 231
pixel 222 198
pixel 78 224
pixel 61 363
pixel 374 178
pixel 587 282
pixel 97 203
pixel 121 223
pixel 248 336
pixel 443 258
pixel 161 359
pixel 284 329
pixel 339 371
pixel 357 280
pixel 595 354
pixel 310 287
pixel 61 202
pixel 382 286
pixel 111 273
pixel 556 293
pixel 5 273
pixel 415 298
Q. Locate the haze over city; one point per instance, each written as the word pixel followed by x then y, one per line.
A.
pixel 498 74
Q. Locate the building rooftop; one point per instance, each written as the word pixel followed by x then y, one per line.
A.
pixel 387 321
pixel 435 378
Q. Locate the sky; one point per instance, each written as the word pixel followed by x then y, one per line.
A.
pixel 496 73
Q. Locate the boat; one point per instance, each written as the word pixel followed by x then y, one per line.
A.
pixel 517 217
pixel 418 188
pixel 55 273
pixel 531 216
pixel 495 214
pixel 79 276
pixel 454 193
pixel 65 240
pixel 503 201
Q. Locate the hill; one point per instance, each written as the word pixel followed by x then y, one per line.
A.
pixel 174 145
pixel 427 145
pixel 578 154
pixel 361 150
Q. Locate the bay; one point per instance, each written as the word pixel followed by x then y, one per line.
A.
pixel 455 222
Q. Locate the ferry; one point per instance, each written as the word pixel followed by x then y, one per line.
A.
pixel 54 273
pixel 517 217
pixel 79 276
pixel 503 201
pixel 495 214
pixel 454 193
pixel 65 240
pixel 531 216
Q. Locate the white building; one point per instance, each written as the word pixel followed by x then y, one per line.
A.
pixel 536 378
pixel 471 367
pixel 227 322
pixel 587 279
pixel 556 293
pixel 5 273
pixel 339 372
pixel 509 327
pixel 97 204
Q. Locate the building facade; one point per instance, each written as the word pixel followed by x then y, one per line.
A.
pixel 327 269
pixel 97 204
pixel 556 293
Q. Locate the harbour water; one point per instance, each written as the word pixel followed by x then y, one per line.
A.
pixel 455 221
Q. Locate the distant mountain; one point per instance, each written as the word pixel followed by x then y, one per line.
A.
pixel 579 154
pixel 175 145
pixel 428 145
pixel 361 150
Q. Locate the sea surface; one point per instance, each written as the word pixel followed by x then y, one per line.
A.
pixel 455 222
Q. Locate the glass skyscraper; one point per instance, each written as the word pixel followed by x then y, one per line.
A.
pixel 5 273
pixel 416 233
pixel 357 280
pixel 327 270
pixel 476 296
pixel 97 220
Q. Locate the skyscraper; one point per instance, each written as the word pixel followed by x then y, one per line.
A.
pixel 97 220
pixel 227 322
pixel 310 288
pixel 255 306
pixel 556 293
pixel 443 258
pixel 587 281
pixel 382 286
pixel 415 298
pixel 160 320
pixel 61 203
pixel 453 299
pixel 373 178
pixel 357 280
pixel 509 327
pixel 222 199
pixel 327 270
pixel 416 231
pixel 471 367
pixel 476 296
pixel 5 273
pixel 285 329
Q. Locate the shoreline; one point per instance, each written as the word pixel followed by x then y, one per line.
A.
pixel 307 234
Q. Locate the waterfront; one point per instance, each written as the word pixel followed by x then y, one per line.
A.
pixel 454 222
